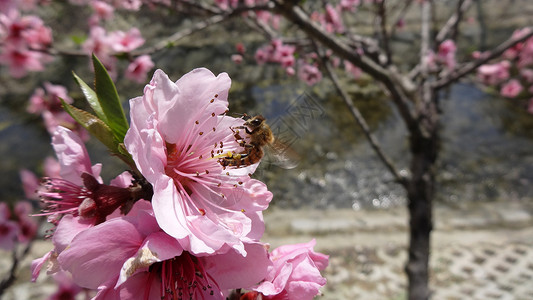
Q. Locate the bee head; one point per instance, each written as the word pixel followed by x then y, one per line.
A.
pixel 255 121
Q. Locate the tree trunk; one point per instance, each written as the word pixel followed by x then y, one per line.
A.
pixel 420 193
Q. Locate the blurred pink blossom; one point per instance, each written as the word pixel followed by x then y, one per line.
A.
pixel 9 229
pixel 121 41
pixel 102 10
pixel 236 58
pixel 48 98
pixel 494 74
pixel 27 224
pixel 511 89
pixel 309 74
pixel 333 18
pixel 352 70
pixel 446 53
pixel 138 69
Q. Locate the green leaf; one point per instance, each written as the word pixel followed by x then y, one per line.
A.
pixel 109 101
pixel 93 124
pixel 78 39
pixel 91 97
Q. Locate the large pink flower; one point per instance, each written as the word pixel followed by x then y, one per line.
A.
pixel 130 257
pixel 176 131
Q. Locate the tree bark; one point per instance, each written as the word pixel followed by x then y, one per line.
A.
pixel 420 193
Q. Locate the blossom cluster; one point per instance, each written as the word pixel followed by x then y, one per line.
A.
pixel 513 75
pixel 24 40
pixel 183 225
pixel 46 102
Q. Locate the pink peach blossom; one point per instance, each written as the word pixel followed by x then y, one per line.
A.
pixel 102 10
pixel 176 130
pixel 48 98
pixel 27 224
pixel 121 41
pixel 236 58
pixel 352 70
pixel 138 69
pixel 511 89
pixel 309 74
pixel 130 256
pixel 494 74
pixel 295 273
pixel 333 18
pixel 79 191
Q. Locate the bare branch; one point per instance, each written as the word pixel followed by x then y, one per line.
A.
pixel 362 122
pixel 382 15
pixel 469 67
pixel 400 16
pixel 451 28
pixel 394 83
pixel 8 281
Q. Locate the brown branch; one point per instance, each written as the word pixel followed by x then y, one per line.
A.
pixel 452 25
pixel 469 67
pixel 362 122
pixel 382 15
pixel 395 84
pixel 7 282
pixel 400 16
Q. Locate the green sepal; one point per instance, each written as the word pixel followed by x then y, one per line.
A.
pixel 93 124
pixel 109 101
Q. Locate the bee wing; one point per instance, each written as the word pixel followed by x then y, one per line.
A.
pixel 281 155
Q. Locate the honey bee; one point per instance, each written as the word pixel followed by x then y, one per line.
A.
pixel 260 138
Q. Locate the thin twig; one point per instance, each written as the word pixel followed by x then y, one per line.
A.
pixel 361 120
pixel 397 85
pixel 451 28
pixel 401 15
pixel 382 15
pixel 7 282
pixel 469 67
